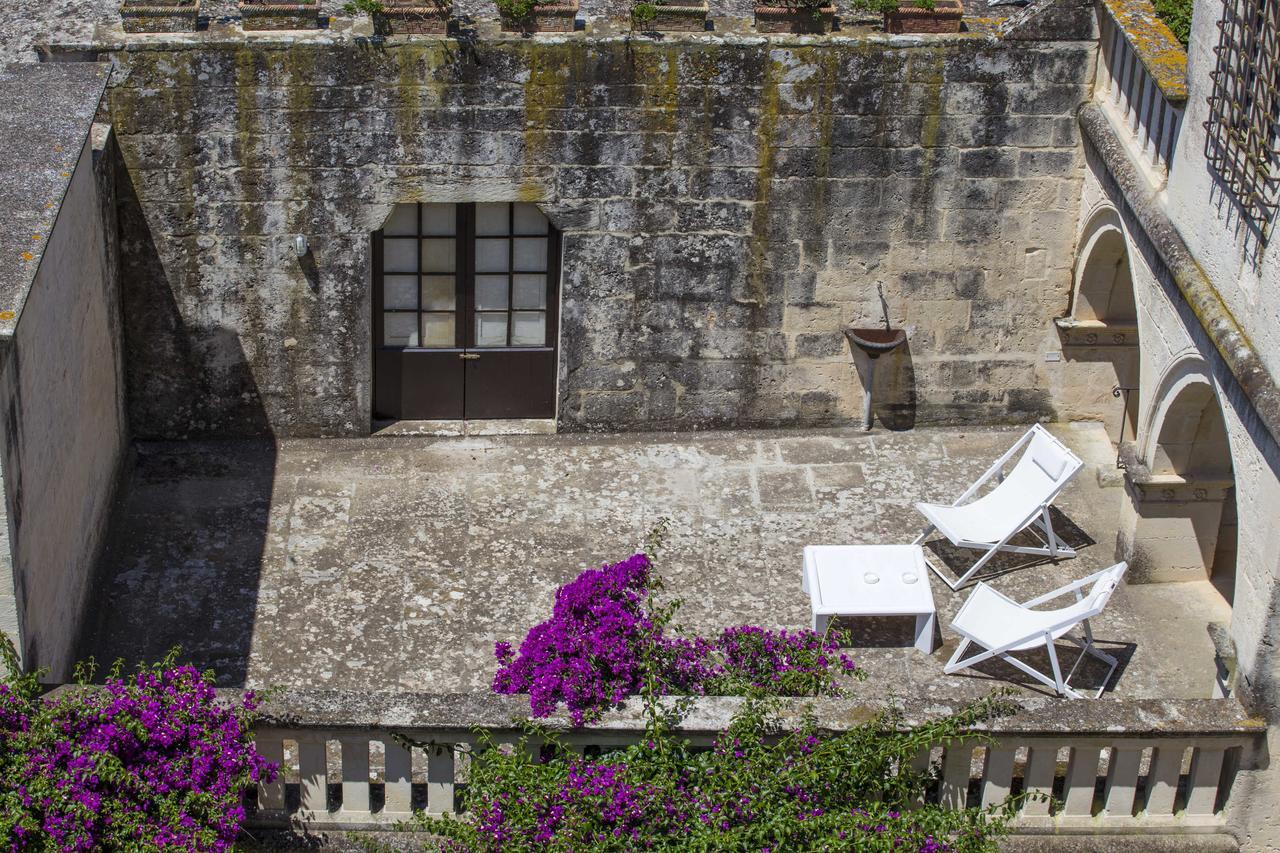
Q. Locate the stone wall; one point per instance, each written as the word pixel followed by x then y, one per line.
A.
pixel 727 204
pixel 65 434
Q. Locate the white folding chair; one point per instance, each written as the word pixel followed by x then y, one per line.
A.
pixel 1021 499
pixel 1002 626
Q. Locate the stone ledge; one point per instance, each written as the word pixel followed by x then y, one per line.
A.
pixel 334 709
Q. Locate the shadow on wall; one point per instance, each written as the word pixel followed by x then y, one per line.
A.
pixel 167 357
pixel 894 403
pixel 185 550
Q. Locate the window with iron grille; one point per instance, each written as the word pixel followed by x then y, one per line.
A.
pixel 1244 110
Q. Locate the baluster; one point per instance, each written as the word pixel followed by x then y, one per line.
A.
pixel 1162 779
pixel 1206 773
pixel 271 794
pixel 1042 762
pixel 440 776
pixel 1132 80
pixel 313 769
pixel 399 761
pixel 355 776
pixel 997 775
pixel 1155 132
pixel 1145 85
pixel 1082 775
pixel 1119 52
pixel 1106 83
pixel 1122 781
pixel 920 764
pixel 1171 135
pixel 955 775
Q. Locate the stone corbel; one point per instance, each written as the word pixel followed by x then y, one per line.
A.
pixel 1172 488
pixel 1096 333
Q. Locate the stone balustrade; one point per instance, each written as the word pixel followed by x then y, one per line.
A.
pixel 1142 78
pixel 1110 766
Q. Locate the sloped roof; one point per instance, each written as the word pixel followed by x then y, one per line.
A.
pixel 46 112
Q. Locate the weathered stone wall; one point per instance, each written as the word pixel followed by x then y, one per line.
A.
pixel 727 205
pixel 65 433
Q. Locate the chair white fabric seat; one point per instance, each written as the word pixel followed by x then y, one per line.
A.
pixel 1003 626
pixel 1019 500
pixel 993 619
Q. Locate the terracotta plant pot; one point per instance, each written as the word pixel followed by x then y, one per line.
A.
pixel 784 19
pixel 545 18
pixel 674 17
pixel 159 16
pixel 279 15
pixel 943 18
pixel 413 17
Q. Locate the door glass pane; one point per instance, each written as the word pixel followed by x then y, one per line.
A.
pixel 399 291
pixel 529 291
pixel 437 330
pixel 531 253
pixel 529 220
pixel 492 255
pixel 491 292
pixel 491 330
pixel 400 330
pixel 491 218
pixel 438 255
pixel 403 220
pixel 399 255
pixel 528 328
pixel 439 219
pixel 438 293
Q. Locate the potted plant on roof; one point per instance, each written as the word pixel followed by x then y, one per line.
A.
pixel 279 15
pixel 669 16
pixel 916 16
pixel 531 16
pixel 795 16
pixel 405 17
pixel 159 16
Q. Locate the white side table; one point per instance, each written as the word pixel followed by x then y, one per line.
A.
pixel 870 580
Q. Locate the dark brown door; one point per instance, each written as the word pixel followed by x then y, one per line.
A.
pixel 465 312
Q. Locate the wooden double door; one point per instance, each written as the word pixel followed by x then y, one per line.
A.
pixel 465 311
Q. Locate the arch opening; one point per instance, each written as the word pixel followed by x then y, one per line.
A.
pixel 1100 335
pixel 1186 527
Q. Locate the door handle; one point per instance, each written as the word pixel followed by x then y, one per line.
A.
pixel 469 356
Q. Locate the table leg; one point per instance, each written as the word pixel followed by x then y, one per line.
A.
pixel 925 628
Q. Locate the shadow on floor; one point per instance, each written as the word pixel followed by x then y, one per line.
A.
pixel 959 560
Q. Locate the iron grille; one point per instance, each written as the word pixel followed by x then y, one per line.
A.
pixel 1244 110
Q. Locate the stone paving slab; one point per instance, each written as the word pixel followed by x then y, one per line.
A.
pixel 396 563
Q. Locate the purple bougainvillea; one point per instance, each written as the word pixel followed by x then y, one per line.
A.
pixel 603 639
pixel 153 761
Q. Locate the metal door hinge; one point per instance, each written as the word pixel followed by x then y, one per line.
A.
pixel 469 355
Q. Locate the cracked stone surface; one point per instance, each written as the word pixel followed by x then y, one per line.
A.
pixel 391 564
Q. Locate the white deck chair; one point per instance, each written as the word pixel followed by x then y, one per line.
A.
pixel 1002 626
pixel 1021 499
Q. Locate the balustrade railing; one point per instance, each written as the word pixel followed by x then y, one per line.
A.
pixel 1109 766
pixel 1142 78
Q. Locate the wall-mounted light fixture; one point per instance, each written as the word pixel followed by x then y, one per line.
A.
pixel 301 246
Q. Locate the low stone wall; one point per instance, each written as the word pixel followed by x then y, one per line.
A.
pixel 1134 752
pixel 728 203
pixel 65 435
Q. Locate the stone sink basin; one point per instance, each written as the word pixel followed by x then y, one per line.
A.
pixel 875 342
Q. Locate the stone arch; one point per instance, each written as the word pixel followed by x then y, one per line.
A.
pixel 1100 335
pixel 1103 288
pixel 1183 491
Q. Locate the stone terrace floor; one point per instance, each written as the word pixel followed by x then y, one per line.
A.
pixel 395 563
